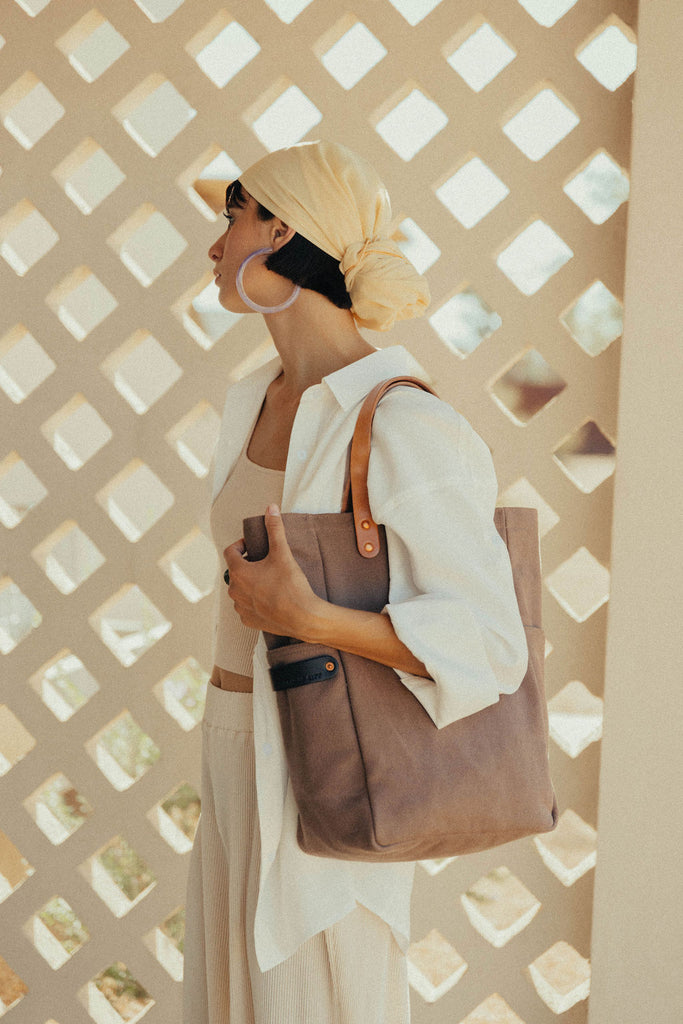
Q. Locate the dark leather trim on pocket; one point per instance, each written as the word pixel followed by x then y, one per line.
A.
pixel 300 673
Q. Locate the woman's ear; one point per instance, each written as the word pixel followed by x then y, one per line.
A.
pixel 281 233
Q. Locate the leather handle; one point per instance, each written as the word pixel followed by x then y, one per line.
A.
pixel 367 533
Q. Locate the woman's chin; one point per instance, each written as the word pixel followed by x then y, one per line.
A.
pixel 231 303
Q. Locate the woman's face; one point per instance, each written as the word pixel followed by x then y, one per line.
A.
pixel 244 234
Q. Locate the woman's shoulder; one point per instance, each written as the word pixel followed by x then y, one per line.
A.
pixel 422 419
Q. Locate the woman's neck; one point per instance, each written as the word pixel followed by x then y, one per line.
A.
pixel 314 338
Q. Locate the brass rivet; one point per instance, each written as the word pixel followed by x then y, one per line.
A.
pixel 368 546
pixel 330 666
pixel 365 524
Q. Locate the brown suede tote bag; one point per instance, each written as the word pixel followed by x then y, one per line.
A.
pixel 373 777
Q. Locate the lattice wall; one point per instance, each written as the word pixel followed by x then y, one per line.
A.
pixel 502 132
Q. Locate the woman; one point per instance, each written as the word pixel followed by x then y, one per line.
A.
pixel 274 935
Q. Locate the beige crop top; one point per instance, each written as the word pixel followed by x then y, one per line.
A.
pixel 248 490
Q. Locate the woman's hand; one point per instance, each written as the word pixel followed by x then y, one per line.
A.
pixel 272 594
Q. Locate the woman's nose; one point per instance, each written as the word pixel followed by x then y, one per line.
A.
pixel 216 251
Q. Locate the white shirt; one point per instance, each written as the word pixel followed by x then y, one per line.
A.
pixel 432 483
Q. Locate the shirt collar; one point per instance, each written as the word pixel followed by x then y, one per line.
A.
pixel 351 383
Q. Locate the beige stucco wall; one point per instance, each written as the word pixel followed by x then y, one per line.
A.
pixel 637 941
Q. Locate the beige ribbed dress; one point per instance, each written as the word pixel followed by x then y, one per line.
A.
pixel 351 973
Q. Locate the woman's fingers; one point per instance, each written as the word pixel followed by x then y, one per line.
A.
pixel 278 545
pixel 234 552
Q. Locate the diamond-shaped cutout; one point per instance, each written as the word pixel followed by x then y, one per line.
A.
pixel 464 321
pixel 561 976
pixel 166 943
pixel 29 110
pixel 611 54
pixel 123 751
pixel 436 865
pixel 12 987
pixel 547 12
pixel 575 718
pixel 202 315
pixel 135 499
pixel 88 176
pixel 81 302
pixel 580 584
pixel 499 906
pixel 76 432
pixel 114 995
pixel 68 557
pixel 64 684
pixel 15 740
pixel 527 387
pixel 159 10
pixel 416 245
pixel 595 319
pixel 541 124
pixel 523 494
pixel 119 875
pixel 533 256
pixel 472 192
pixel 599 188
pixel 154 113
pixel 288 10
pixel 20 490
pixel 24 364
pixel 194 437
pixel 191 565
pixel 283 116
pixel 587 456
pixel 14 868
pixel 493 1010
pixel 222 49
pixel 92 45
pixel 129 624
pixel 414 10
pixel 57 808
pixel 434 966
pixel 176 817
pixel 25 237
pixel 411 123
pixel 354 52
pixel 570 850
pixel 56 932
pixel 33 7
pixel 203 182
pixel 141 370
pixel 254 360
pixel 182 693
pixel 18 616
pixel 147 244
pixel 481 57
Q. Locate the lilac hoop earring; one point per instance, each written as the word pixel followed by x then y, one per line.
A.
pixel 250 302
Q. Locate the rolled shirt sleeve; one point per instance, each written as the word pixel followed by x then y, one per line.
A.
pixel 452 602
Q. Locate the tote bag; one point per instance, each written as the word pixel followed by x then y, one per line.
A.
pixel 374 779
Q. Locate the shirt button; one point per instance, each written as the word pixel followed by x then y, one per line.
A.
pixel 267 749
pixel 302 455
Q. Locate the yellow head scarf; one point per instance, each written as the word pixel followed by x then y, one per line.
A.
pixel 335 199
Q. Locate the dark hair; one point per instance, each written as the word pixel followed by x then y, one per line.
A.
pixel 300 261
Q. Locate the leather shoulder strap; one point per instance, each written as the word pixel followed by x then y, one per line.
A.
pixel 367 534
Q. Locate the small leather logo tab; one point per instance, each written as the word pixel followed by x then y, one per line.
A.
pixel 300 673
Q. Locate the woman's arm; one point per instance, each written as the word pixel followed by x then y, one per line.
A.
pixel 369 634
pixel 274 595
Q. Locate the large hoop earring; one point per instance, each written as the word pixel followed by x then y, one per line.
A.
pixel 250 302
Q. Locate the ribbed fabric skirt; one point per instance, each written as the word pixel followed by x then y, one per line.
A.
pixel 351 973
